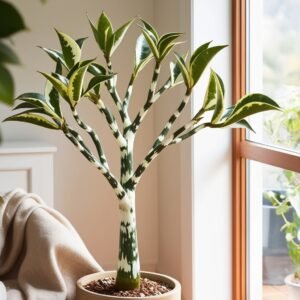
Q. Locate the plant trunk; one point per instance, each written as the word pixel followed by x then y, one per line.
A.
pixel 128 274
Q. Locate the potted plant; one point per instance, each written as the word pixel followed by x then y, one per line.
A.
pixel 291 228
pixel 68 83
pixel 283 130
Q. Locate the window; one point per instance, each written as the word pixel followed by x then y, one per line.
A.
pixel 266 165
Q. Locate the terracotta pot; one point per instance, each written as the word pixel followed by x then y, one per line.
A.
pixel 293 288
pixel 83 294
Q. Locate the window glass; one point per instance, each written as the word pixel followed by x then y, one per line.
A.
pixel 274 69
pixel 274 234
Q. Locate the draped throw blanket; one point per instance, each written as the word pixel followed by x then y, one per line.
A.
pixel 41 254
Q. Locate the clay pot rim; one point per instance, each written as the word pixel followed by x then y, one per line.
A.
pixel 110 273
pixel 288 281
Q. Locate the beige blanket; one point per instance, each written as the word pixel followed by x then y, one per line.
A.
pixel 41 254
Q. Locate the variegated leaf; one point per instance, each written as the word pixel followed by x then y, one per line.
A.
pixel 175 72
pixel 33 119
pixel 142 53
pixel 104 31
pixel 96 69
pixel 24 105
pixel 184 71
pixel 117 37
pixel 210 98
pixel 200 62
pixel 36 100
pixel 219 104
pixel 95 32
pixel 56 55
pixel 79 65
pixel 59 83
pixel 166 40
pixel 151 43
pixel 51 93
pixel 70 49
pixel 199 50
pixel 249 105
pixel 95 81
pixel 167 50
pixel 245 124
pixel 76 83
pixel 151 30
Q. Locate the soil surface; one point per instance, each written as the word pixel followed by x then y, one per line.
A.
pixel 148 288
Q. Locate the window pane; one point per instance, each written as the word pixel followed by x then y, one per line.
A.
pixel 273 230
pixel 274 68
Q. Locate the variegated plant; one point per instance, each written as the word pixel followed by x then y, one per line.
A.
pixel 68 82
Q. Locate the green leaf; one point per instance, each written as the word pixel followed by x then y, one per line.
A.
pixel 117 37
pixel 7 55
pixel 166 40
pixel 199 63
pixel 11 21
pixel 33 119
pixel 70 49
pixel 246 125
pixel 36 100
pixel 210 98
pixel 80 42
pixel 95 32
pixel 175 72
pixel 219 107
pixel 199 50
pixel 151 30
pixel 104 32
pixel 51 93
pixel 24 105
pixel 56 55
pixel 95 81
pixel 96 69
pixel 167 50
pixel 249 105
pixel 184 71
pixel 59 85
pixel 151 43
pixel 76 83
pixel 142 53
pixel 6 86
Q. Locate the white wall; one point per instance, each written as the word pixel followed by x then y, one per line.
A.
pixel 81 193
pixel 209 172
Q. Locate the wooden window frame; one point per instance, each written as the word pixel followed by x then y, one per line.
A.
pixel 243 150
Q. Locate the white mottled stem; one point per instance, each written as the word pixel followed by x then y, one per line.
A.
pixel 112 123
pixel 112 89
pixel 172 120
pixel 175 138
pixel 150 100
pixel 128 262
pixel 76 139
pixel 94 138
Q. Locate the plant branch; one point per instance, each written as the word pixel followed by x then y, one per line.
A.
pixel 129 93
pixel 111 121
pixel 172 119
pixel 112 89
pixel 150 100
pixel 77 141
pixel 175 138
pixel 94 138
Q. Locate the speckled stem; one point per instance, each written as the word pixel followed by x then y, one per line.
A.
pixel 128 273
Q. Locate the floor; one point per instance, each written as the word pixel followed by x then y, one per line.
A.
pixel 275 292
